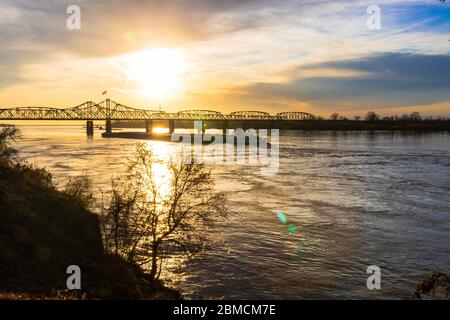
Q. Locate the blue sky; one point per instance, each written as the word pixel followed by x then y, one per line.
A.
pixel 316 56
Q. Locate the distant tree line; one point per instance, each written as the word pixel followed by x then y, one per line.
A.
pixel 372 116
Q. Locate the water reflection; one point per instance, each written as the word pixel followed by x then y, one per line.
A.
pixel 159 171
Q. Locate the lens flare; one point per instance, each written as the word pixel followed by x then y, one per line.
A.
pixel 281 216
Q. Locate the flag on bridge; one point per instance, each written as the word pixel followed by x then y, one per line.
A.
pixel 104 92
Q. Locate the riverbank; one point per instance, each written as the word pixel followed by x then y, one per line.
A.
pixel 43 231
pixel 344 125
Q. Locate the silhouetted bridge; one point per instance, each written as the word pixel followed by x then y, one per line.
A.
pixel 109 110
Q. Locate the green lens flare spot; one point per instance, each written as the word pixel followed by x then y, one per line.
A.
pixel 291 228
pixel 281 216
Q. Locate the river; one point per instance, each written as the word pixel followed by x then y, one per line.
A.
pixel 355 199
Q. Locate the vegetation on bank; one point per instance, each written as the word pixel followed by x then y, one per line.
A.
pixel 435 284
pixel 159 210
pixel 43 229
pixel 372 121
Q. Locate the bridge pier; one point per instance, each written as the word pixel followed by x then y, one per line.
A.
pixel 171 126
pixel 108 128
pixel 90 128
pixel 202 129
pixel 224 127
pixel 149 126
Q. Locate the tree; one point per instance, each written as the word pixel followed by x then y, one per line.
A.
pixel 80 188
pixel 123 225
pixel 415 116
pixel 160 209
pixel 334 116
pixel 434 282
pixel 372 116
pixel 8 135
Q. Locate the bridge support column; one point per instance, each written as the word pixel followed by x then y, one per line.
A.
pixel 200 129
pixel 108 128
pixel 90 128
pixel 149 126
pixel 224 126
pixel 171 126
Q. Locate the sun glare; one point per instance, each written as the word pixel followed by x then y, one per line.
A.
pixel 159 73
pixel 160 130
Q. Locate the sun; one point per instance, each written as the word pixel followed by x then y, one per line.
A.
pixel 158 73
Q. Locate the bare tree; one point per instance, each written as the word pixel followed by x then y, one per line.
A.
pixel 415 116
pixel 121 220
pixel 372 116
pixel 80 188
pixel 334 116
pixel 434 282
pixel 8 135
pixel 160 209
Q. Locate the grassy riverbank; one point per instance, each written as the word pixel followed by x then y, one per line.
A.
pixel 43 231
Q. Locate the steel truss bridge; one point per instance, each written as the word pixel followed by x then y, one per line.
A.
pixel 111 110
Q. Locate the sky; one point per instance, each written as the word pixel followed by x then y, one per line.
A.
pixel 316 56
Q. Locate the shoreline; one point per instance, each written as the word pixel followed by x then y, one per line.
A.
pixel 45 230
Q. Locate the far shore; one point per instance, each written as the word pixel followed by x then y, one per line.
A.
pixel 282 125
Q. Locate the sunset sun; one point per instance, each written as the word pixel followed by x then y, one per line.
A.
pixel 157 73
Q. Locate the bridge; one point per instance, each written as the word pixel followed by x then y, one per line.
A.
pixel 109 110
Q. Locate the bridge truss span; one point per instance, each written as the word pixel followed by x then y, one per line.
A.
pixel 294 116
pixel 251 115
pixel 198 115
pixel 111 110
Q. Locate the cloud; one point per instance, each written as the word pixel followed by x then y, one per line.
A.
pixel 35 32
pixel 106 24
pixel 13 61
pixel 389 80
pixel 289 54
